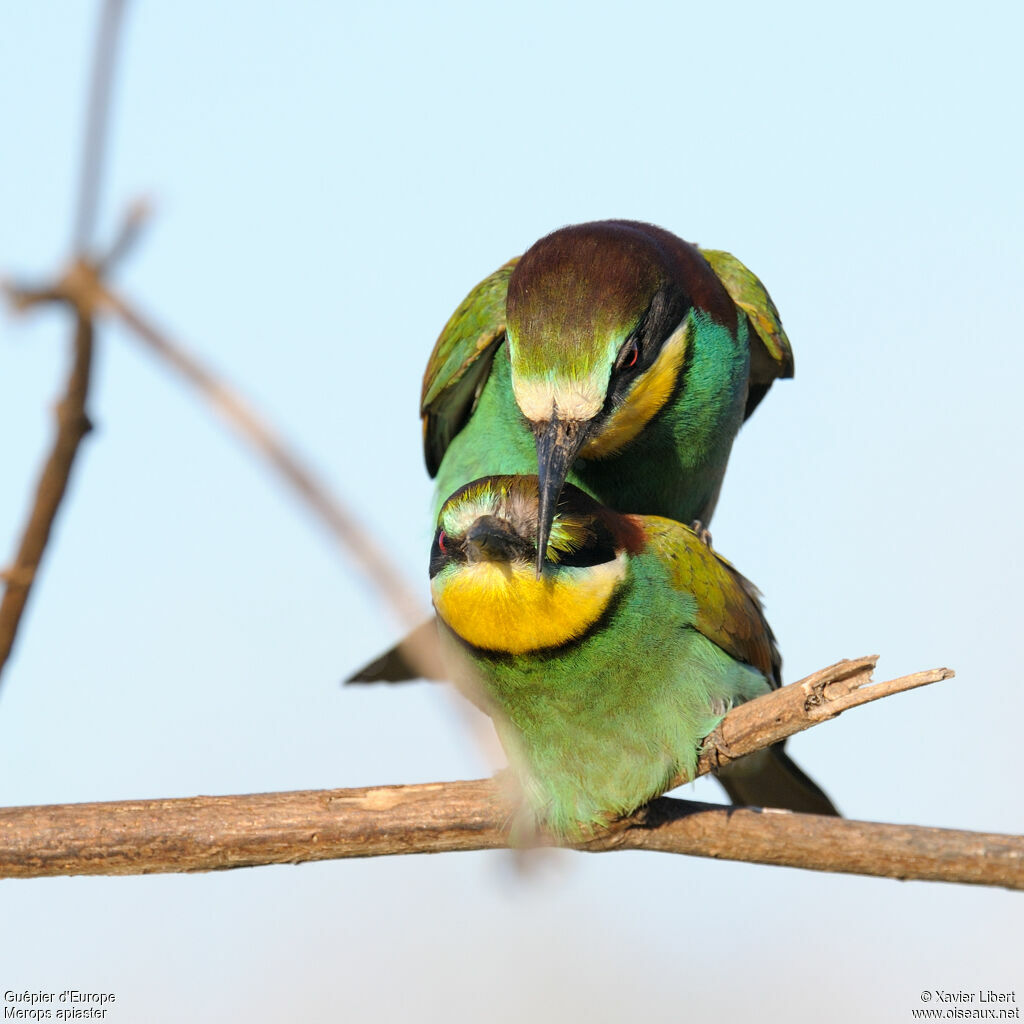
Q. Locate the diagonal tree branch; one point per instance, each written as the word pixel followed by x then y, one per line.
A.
pixel 210 833
pixel 84 288
pixel 229 404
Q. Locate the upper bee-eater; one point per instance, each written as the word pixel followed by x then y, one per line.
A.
pixel 604 674
pixel 612 354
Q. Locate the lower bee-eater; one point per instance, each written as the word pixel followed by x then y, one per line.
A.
pixel 603 675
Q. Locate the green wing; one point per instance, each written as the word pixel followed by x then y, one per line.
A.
pixel 729 614
pixel 729 609
pixel 773 357
pixel 460 364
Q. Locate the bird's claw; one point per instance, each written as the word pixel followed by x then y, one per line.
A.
pixel 703 533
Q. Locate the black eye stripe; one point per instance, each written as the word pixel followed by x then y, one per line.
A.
pixel 453 551
pixel 663 317
pixel 598 549
pixel 597 553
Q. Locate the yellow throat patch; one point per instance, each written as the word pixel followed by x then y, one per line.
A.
pixel 503 607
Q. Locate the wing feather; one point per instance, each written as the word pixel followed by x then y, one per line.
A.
pixel 461 362
pixel 729 611
pixel 771 356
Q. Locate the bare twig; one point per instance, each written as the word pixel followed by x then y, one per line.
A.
pixel 72 426
pixel 136 217
pixel 269 444
pixel 72 420
pixel 97 118
pixel 209 833
pixel 817 698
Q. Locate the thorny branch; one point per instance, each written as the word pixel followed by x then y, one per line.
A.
pixel 211 833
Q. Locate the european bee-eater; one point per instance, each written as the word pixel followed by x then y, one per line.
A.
pixel 603 675
pixel 612 354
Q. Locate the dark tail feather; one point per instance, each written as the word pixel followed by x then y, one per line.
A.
pixel 770 778
pixel 420 649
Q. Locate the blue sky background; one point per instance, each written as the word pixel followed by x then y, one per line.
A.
pixel 328 184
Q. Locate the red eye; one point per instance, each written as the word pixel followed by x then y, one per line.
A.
pixel 440 542
pixel 631 356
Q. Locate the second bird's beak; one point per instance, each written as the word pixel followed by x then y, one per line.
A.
pixel 558 444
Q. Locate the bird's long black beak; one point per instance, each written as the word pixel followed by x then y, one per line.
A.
pixel 558 444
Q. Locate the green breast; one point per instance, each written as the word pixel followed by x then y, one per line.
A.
pixel 598 729
pixel 496 440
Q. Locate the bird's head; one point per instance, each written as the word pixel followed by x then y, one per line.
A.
pixel 482 565
pixel 598 325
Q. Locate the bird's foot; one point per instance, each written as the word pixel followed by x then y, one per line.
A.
pixel 703 533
